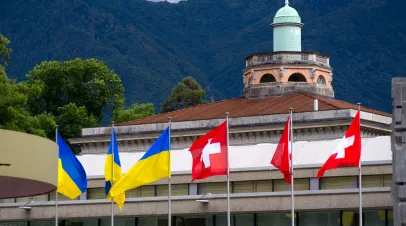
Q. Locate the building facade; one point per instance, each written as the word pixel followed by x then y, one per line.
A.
pixel 273 82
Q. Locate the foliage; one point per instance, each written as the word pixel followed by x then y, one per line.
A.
pixel 4 50
pixel 87 83
pixel 73 119
pixel 13 109
pixel 185 94
pixel 134 112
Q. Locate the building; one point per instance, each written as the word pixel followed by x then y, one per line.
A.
pixel 274 82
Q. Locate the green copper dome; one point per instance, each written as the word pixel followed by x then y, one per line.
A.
pixel 287 14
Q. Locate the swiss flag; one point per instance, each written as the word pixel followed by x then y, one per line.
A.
pixel 209 153
pixel 282 157
pixel 348 152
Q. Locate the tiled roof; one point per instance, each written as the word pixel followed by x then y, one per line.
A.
pixel 243 107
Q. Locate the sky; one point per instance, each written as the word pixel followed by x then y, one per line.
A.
pixel 171 1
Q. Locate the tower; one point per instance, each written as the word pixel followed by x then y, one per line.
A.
pixel 287 69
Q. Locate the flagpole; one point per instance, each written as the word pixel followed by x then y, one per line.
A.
pixel 228 176
pixel 56 191
pixel 112 175
pixel 169 178
pixel 360 174
pixel 290 135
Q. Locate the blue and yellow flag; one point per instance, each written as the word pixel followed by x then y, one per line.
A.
pixel 72 180
pixel 112 171
pixel 153 166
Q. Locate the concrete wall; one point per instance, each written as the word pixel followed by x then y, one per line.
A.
pixel 399 150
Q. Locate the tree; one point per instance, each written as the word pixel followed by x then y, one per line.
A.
pixel 89 83
pixel 185 94
pixel 4 50
pixel 134 112
pixel 13 109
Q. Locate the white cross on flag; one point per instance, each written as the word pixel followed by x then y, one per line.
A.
pixel 348 152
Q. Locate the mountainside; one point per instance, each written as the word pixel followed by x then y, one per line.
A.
pixel 152 46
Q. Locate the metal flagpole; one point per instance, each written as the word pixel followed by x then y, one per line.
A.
pixel 169 178
pixel 56 191
pixel 228 177
pixel 292 186
pixel 360 175
pixel 112 175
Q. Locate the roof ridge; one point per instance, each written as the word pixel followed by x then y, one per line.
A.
pixel 177 111
pixel 321 99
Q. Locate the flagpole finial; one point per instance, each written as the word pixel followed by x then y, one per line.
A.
pixel 227 113
pixel 286 2
pixel 359 105
pixel 56 126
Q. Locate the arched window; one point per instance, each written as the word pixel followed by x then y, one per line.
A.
pixel 297 77
pixel 267 78
pixel 321 80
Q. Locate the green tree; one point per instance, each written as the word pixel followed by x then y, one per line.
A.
pixel 185 94
pixel 89 83
pixel 134 112
pixel 4 50
pixel 13 109
pixel 72 119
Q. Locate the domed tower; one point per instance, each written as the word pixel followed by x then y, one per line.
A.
pixel 287 69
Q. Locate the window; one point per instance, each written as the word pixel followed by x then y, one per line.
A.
pixel 390 217
pixel 176 190
pixel 44 223
pixel 244 220
pixel 270 219
pixel 38 198
pixel 14 223
pixel 301 184
pixel 133 193
pixel 267 78
pixel 350 218
pixel 213 188
pixel 297 77
pixel 194 221
pixel 263 186
pixel 94 193
pixel 330 183
pixel 375 217
pixel 243 186
pixel 372 181
pixel 118 222
pixel 11 200
pixel 60 196
pixel 221 220
pixel 147 191
pixel 387 180
pixel 321 80
pixel 92 222
pixel 319 218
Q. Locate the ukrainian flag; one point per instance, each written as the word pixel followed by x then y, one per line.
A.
pixel 154 165
pixel 113 172
pixel 72 179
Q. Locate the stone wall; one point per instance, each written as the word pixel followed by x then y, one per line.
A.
pixel 399 150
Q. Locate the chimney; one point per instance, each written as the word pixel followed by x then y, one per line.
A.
pixel 316 105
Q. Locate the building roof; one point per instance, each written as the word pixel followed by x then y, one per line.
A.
pixel 287 14
pixel 311 154
pixel 243 107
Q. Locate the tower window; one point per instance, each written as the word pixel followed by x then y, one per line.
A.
pixel 321 80
pixel 267 78
pixel 297 77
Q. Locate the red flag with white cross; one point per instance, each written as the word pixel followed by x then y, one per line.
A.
pixel 209 153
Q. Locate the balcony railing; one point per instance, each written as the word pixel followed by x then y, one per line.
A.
pixel 287 57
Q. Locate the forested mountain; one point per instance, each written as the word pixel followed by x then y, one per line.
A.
pixel 152 46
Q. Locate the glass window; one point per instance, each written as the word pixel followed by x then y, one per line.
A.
pixel 92 222
pixel 390 217
pixel 38 198
pixel 60 197
pixel 213 188
pixel 301 184
pixel 148 221
pixel 387 180
pixel 11 200
pixel 133 193
pixel 271 219
pixel 221 220
pixel 243 186
pixel 263 186
pixel 330 183
pixel 194 221
pixel 319 218
pixel 44 223
pixel 372 181
pixel 118 222
pixel 15 223
pixel 375 217
pixel 244 220
pixel 94 193
pixel 147 191
pixel 350 218
pixel 176 189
